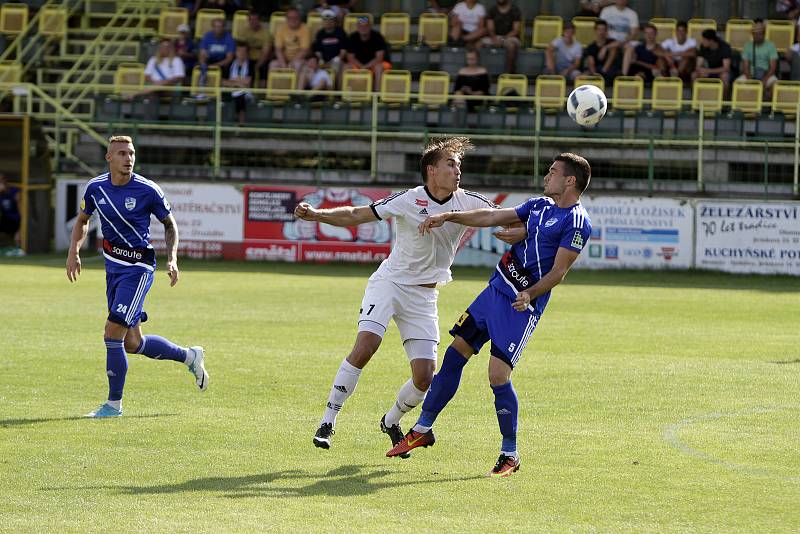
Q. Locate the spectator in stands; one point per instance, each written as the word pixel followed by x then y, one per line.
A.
pixel 592 8
pixel 467 23
pixel 563 55
pixel 9 217
pixel 292 42
pixel 792 55
pixel 239 74
pixel 184 47
pixel 623 22
pixel 788 9
pixel 645 60
pixel 472 79
pixel 330 44
pixel 503 25
pixel 217 48
pixel 601 57
pixel 679 53
pixel 315 78
pixel 165 68
pixel 340 8
pixel 713 59
pixel 760 59
pixel 366 49
pixel 259 44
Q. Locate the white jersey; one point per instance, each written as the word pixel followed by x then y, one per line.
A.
pixel 417 259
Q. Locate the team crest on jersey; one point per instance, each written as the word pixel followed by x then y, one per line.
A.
pixel 550 222
pixel 130 203
pixel 577 240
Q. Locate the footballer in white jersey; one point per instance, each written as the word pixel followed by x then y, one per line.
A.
pixel 403 287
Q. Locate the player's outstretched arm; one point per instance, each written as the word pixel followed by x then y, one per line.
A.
pixel 341 216
pixel 79 233
pixel 171 238
pixel 564 260
pixel 483 217
pixel 512 233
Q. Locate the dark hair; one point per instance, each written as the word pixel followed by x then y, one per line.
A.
pixel 240 43
pixel 648 25
pixel 601 22
pixel 681 24
pixel 710 34
pixel 437 148
pixel 577 166
pixel 758 21
pixel 253 12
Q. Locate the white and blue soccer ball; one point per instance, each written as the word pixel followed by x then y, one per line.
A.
pixel 586 105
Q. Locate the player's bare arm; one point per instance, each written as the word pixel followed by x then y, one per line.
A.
pixel 564 260
pixel 512 233
pixel 171 238
pixel 79 233
pixel 484 217
pixel 341 216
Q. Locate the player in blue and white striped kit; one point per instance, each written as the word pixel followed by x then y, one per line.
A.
pixel 124 202
pixel 508 310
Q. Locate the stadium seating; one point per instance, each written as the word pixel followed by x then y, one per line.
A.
pixel 747 95
pixel 785 97
pixel 695 28
pixel 415 58
pixel 584 29
pixel 203 20
pixel 545 29
pixel 53 21
pixel 551 91
pixel 512 84
pixel 729 125
pixel 738 32
pixel 351 21
pixel 649 123
pixel 281 80
pixel 357 85
pixel 276 19
pixel 129 79
pixel 781 34
pixel 213 81
pixel 434 88
pixel 396 87
pixel 589 79
pixel 170 18
pixel 314 23
pixel 667 94
pixel 10 72
pixel 769 126
pixel 494 60
pixel 396 29
pixel 451 59
pixel 239 24
pixel 708 92
pixel 687 124
pixel 432 29
pixel 530 61
pixel 665 28
pixel 628 93
pixel 13 18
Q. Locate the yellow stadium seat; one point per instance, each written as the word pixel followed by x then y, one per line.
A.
pixel 584 29
pixel 275 20
pixel 434 87
pixel 396 87
pixel 351 21
pixel 508 84
pixel 314 23
pixel 628 92
pixel 203 20
pixel 170 18
pixel 747 96
pixel 432 29
pixel 522 23
pixel 545 29
pixel 695 28
pixel 786 97
pixel 781 34
pixel 53 21
pixel 667 94
pixel 239 24
pixel 738 32
pixel 129 79
pixel 213 80
pixel 13 18
pixel 357 85
pixel 665 28
pixel 591 79
pixel 10 72
pixel 707 91
pixel 396 28
pixel 551 91
pixel 281 80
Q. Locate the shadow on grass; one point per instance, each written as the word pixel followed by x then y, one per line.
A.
pixel 344 481
pixel 8 423
pixel 785 362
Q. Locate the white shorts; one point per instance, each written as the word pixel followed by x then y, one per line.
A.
pixel 413 308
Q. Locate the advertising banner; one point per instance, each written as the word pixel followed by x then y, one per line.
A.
pixel 752 237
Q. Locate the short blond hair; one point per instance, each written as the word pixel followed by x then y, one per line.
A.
pixel 437 148
pixel 119 139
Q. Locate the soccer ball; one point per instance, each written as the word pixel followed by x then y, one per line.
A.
pixel 586 105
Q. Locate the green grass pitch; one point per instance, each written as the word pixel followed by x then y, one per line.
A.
pixel 657 402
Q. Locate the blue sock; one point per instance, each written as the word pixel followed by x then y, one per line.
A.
pixel 443 387
pixel 158 348
pixel 507 406
pixel 116 368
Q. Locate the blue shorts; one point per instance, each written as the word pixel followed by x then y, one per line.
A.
pixel 125 292
pixel 491 317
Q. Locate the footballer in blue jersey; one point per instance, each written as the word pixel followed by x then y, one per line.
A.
pixel 124 202
pixel 507 311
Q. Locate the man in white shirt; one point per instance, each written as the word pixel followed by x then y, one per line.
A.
pixel 403 288
pixel 623 22
pixel 467 23
pixel 680 53
pixel 165 68
pixel 563 55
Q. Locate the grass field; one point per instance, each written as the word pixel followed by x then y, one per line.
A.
pixel 649 402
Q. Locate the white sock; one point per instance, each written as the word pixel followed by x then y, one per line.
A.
pixel 408 398
pixel 343 386
pixel 420 428
pixel 513 454
pixel 117 404
pixel 189 357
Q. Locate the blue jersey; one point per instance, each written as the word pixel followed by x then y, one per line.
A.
pixel 124 212
pixel 549 228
